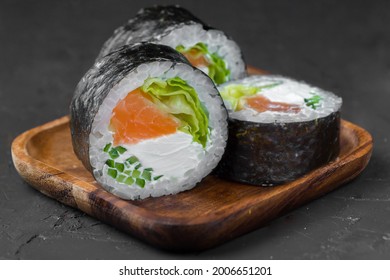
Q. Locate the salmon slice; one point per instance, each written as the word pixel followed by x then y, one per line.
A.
pixel 261 104
pixel 196 58
pixel 136 118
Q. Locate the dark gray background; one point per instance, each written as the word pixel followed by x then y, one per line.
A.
pixel 342 46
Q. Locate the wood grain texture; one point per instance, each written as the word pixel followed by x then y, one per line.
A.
pixel 212 213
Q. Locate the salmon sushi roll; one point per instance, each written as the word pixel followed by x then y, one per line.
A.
pixel 147 123
pixel 279 129
pixel 207 48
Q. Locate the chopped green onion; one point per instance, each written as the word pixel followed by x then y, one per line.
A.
pixel 113 153
pixel 138 166
pixel 121 178
pixel 110 163
pixel 147 175
pixel 129 181
pixel 119 166
pixel 121 150
pixel 136 173
pixel 140 182
pixel 107 147
pixel 127 172
pixel 122 171
pixel 270 85
pixel 112 173
pixel 132 159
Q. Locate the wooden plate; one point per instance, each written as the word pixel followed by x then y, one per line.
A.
pixel 210 214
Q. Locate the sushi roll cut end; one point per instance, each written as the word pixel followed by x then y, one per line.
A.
pixel 159 130
pixel 279 129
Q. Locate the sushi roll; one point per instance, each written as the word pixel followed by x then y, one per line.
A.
pixel 279 129
pixel 147 123
pixel 208 49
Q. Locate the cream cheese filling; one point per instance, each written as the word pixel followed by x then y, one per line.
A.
pixel 288 92
pixel 171 155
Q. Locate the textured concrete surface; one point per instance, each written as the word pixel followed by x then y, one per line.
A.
pixel 342 46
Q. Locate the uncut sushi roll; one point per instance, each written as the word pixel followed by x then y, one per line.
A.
pixel 279 129
pixel 147 123
pixel 208 49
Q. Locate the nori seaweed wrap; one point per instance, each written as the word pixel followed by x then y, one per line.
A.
pixel 207 48
pixel 147 123
pixel 279 129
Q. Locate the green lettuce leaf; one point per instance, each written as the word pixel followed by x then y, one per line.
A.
pixel 176 97
pixel 217 67
pixel 234 93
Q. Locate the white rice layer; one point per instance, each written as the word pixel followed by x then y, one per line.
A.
pixel 288 91
pixel 183 166
pixel 216 41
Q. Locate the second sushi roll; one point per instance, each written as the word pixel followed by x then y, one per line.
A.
pixel 206 48
pixel 279 129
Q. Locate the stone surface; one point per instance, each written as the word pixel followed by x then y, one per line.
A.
pixel 46 46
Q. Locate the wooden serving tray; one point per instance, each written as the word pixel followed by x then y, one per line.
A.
pixel 210 214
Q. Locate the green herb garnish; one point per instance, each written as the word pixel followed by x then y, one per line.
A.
pixel 313 101
pixel 157 177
